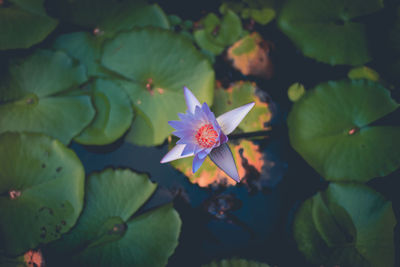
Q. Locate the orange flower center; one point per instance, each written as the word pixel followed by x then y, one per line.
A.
pixel 206 136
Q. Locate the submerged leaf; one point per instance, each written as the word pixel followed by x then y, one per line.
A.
pixel 330 126
pixel 347 225
pixel 41 190
pixel 250 55
pixel 108 233
pixel 239 94
pixel 296 91
pixel 363 72
pixel 209 174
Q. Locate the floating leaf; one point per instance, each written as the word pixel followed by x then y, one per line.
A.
pixel 262 16
pixel 209 173
pixel 296 91
pixel 156 77
pixel 108 233
pixel 250 55
pixel 236 263
pixel 84 47
pixel 218 34
pixel 328 30
pixel 33 100
pixel 41 190
pixel 31 258
pixel 363 72
pixel 110 16
pixel 347 225
pixel 239 94
pixel 24 23
pixel 114 114
pixel 330 127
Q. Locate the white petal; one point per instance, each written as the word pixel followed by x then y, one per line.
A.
pixel 191 100
pixel 175 153
pixel 223 158
pixel 231 119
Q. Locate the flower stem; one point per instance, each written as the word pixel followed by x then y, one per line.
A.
pixel 250 135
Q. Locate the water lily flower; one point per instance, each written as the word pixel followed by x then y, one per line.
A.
pixel 202 135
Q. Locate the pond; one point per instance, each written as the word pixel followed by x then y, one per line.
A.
pixel 309 93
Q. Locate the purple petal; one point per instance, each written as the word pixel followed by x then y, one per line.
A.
pixel 223 158
pixel 202 154
pixel 188 150
pixel 231 119
pixel 174 153
pixel 191 100
pixel 197 163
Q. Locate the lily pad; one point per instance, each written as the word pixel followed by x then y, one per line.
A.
pixel 245 152
pixel 328 30
pixel 155 77
pixel 84 47
pixel 41 190
pixel 218 33
pixel 331 128
pixel 34 101
pixel 239 94
pixel 109 16
pixel 24 23
pixel 113 117
pixel 250 55
pixel 296 91
pixel 236 263
pixel 109 233
pixel 363 72
pixel 346 225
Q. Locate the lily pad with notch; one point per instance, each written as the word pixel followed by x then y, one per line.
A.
pixel 217 34
pixel 332 128
pixel 33 96
pixel 155 77
pixel 41 190
pixel 24 23
pixel 346 225
pixel 329 31
pixel 113 117
pixel 110 233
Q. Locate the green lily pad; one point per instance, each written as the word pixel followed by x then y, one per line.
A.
pixel 296 91
pixel 262 16
pixel 346 225
pixel 363 72
pixel 109 233
pixel 84 47
pixel 218 34
pixel 24 23
pixel 41 190
pixel 131 14
pixel 156 76
pixel 244 153
pixel 114 114
pixel 236 263
pixel 239 94
pixel 328 30
pixel 109 16
pixel 33 99
pixel 330 127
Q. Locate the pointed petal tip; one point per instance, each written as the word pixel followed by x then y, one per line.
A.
pixel 231 119
pixel 191 100
pixel 223 158
pixel 175 153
